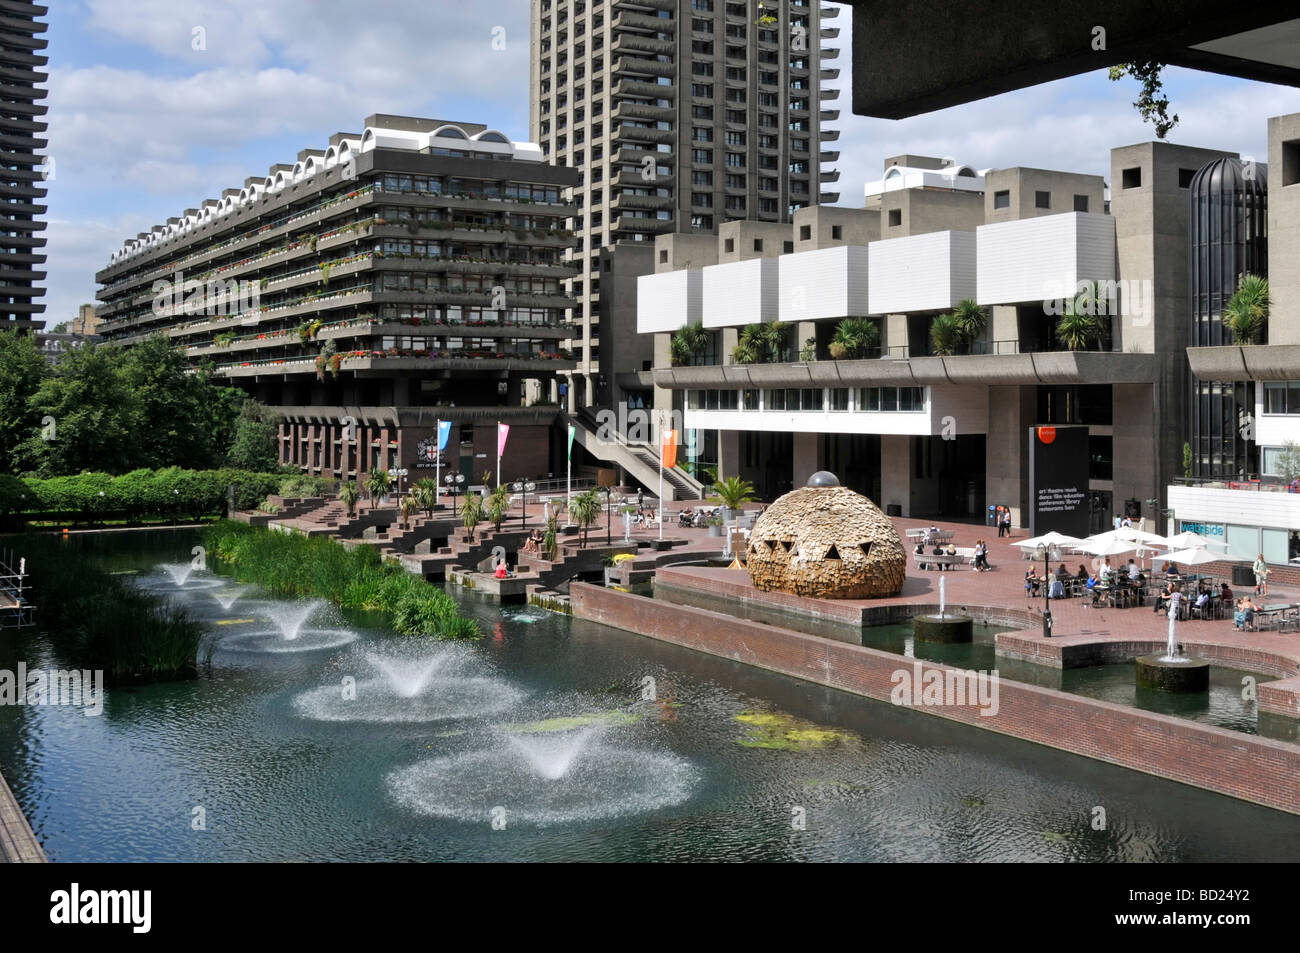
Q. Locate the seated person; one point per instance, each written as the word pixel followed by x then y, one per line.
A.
pixel 937 551
pixel 951 550
pixel 1163 599
pixel 533 543
pixel 1225 592
pixel 502 571
pixel 1202 600
pixel 1082 574
pixel 1031 583
pixel 1062 573
pixel 700 519
pixel 1133 571
pixel 1057 591
pixel 1244 616
pixel 920 549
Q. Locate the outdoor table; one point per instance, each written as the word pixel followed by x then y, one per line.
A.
pixel 1270 611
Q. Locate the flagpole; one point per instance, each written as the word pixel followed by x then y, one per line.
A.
pixel 569 479
pixel 498 453
pixel 661 488
pixel 437 465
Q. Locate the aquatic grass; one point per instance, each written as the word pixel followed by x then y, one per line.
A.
pixel 784 733
pixel 291 566
pixel 95 619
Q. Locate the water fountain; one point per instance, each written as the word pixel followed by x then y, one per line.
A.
pixel 940 626
pixel 544 778
pixel 180 572
pixel 291 632
pixel 228 597
pixel 177 578
pixel 1173 671
pixel 412 684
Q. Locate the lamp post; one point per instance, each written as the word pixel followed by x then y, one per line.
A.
pixel 176 509
pixel 609 513
pixel 400 472
pixel 454 480
pixel 1049 554
pixel 523 487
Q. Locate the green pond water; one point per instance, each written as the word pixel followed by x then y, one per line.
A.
pixel 553 739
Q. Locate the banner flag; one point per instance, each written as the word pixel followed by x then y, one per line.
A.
pixel 572 428
pixel 503 431
pixel 668 449
pixel 444 434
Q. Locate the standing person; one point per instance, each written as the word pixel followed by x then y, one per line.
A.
pixel 1261 576
pixel 1006 522
pixel 1002 527
pixel 1175 599
pixel 640 498
pixel 1118 521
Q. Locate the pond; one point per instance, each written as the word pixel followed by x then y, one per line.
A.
pixel 551 739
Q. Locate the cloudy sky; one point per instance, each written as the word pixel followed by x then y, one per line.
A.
pixel 158 104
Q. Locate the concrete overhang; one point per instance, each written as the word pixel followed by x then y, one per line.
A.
pixel 1049 367
pixel 1255 362
pixel 907 60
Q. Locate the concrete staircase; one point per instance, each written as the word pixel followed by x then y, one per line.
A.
pixel 639 459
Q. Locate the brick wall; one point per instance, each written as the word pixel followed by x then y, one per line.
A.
pixel 1252 768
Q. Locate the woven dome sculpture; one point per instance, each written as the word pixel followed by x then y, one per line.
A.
pixel 826 541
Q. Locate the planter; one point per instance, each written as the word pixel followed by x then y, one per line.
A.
pixel 715 531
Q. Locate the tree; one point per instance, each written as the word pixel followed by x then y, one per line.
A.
pixel 1288 461
pixel 21 370
pixel 348 496
pixel 60 328
pixel 1187 460
pixel 855 339
pixel 945 335
pixel 761 343
pixel 94 418
pixel 551 539
pixel 1078 331
pixel 585 511
pixel 688 344
pixel 471 512
pixel 409 507
pixel 255 444
pixel 971 320
pixel 733 491
pixel 1246 312
pixel 1152 103
pixel 380 483
pixel 426 492
pixel 187 419
pixel 497 505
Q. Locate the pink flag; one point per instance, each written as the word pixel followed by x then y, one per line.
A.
pixel 503 431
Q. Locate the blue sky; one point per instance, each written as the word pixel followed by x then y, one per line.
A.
pixel 144 125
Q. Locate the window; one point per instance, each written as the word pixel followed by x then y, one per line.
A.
pixel 1132 178
pixel 1290 162
pixel 1042 200
pixel 1185 177
pixel 749 399
pixel 1081 203
pixel 786 247
pixel 735 181
pixel 663 256
pixel 702 199
pixel 1100 463
pixel 701 134
pixel 704 156
pixel 702 90
pixel 811 399
pixel 1002 199
pixel 758 244
pixel 837 232
pixel 734 160
pixel 735 203
pixel 805 233
pixel 895 217
pixel 1282 397
pixel 702 178
pixel 702 112
pixel 839 398
pixel 730 245
pixel 735 138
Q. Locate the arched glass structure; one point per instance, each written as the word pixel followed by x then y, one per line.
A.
pixel 1227 237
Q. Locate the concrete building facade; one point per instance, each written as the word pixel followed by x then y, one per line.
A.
pixel 24 170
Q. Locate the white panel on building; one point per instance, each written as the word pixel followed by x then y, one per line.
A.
pixel 931 272
pixel 1043 258
pixel 669 300
pixel 741 292
pixel 827 283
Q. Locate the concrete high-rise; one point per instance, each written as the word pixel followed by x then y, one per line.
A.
pixel 21 172
pixel 680 116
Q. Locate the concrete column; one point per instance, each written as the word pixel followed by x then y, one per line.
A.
pixel 895 471
pixel 730 337
pixel 1004 324
pixel 1006 463
pixel 803 331
pixel 728 453
pixel 895 332
pixel 807 459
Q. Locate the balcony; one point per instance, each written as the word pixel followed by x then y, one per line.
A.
pixel 625 110
pixel 626 19
pixel 1043 258
pixel 640 43
pixel 931 272
pixel 632 87
pixel 828 198
pixel 635 65
pixel 669 300
pixel 626 201
pixel 741 292
pixel 627 222
pixel 830 52
pixel 626 132
pixel 1254 362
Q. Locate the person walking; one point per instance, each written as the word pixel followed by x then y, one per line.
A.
pixel 640 498
pixel 1261 576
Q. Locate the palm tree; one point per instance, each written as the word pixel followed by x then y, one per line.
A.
pixel 379 484
pixel 761 343
pixel 945 335
pixel 471 512
pixel 550 539
pixel 584 511
pixel 688 344
pixel 348 496
pixel 854 339
pixel 1077 330
pixel 426 493
pixel 497 505
pixel 746 351
pixel 409 507
pixel 971 320
pixel 1246 312
pixel 733 491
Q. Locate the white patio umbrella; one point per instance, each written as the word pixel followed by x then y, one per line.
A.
pixel 1199 556
pixel 1108 547
pixel 1048 539
pixel 1190 540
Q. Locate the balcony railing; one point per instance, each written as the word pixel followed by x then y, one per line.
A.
pixel 1252 482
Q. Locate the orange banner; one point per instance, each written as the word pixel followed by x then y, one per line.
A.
pixel 668 449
